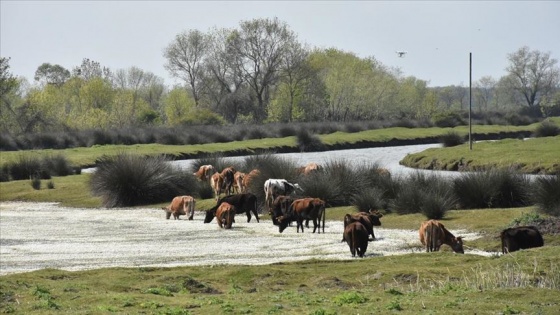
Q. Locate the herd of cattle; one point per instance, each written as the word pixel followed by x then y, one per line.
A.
pixel 284 208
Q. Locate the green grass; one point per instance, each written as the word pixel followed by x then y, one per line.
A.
pixel 535 156
pixel 437 283
pixel 84 157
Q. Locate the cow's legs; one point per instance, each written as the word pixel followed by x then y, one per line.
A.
pixel 167 215
pixel 248 212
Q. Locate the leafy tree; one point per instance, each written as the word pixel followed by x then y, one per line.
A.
pixel 51 74
pixel 484 92
pixel 533 74
pixel 177 106
pixel 185 59
pixel 90 70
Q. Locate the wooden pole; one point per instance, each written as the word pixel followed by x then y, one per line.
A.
pixel 470 101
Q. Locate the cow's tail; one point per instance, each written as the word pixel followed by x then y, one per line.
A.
pixel 428 237
pixel 191 210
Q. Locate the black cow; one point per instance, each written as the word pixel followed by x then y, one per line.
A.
pixel 242 202
pixel 521 237
pixel 280 207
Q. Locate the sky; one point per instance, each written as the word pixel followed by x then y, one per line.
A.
pixel 438 36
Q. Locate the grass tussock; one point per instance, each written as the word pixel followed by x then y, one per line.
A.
pixel 128 180
pixel 547 129
pixel 451 139
pixel 546 194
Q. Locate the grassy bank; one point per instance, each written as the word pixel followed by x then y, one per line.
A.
pixel 446 283
pixel 534 156
pixel 87 156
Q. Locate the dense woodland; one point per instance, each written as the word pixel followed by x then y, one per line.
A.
pixel 259 73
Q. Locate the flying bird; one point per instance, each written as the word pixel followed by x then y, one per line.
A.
pixel 401 53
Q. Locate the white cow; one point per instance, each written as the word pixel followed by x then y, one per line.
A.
pixel 275 187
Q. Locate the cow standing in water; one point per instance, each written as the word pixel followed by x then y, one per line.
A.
pixel 180 205
pixel 225 215
pixel 433 234
pixel 242 202
pixel 368 219
pixel 356 236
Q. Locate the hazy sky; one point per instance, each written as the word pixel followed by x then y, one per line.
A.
pixel 438 35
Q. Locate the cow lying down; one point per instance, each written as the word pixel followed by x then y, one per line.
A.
pixel 521 237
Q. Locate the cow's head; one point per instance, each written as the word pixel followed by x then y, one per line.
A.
pixel 374 217
pixel 457 245
pixel 210 214
pixel 283 223
pixel 298 187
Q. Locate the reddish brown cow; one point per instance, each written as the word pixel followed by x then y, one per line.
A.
pixel 248 178
pixel 225 214
pixel 204 172
pixel 228 174
pixel 356 236
pixel 217 183
pixel 433 234
pixel 180 205
pixel 238 182
pixel 368 219
pixel 303 209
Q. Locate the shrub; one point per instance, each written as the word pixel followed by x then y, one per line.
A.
pixel 26 167
pixel 369 198
pixel 57 165
pixel 50 185
pixel 451 139
pixel 492 189
pixel 546 194
pixel 546 129
pixel 129 180
pixel 308 142
pixel 4 173
pixel 421 193
pixel 448 119
pixel 36 182
pixel 435 204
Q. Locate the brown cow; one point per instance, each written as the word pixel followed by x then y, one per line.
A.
pixel 228 174
pixel 309 168
pixel 368 219
pixel 225 214
pixel 248 178
pixel 180 205
pixel 280 207
pixel 217 183
pixel 521 237
pixel 433 234
pixel 302 209
pixel 238 182
pixel 356 236
pixel 204 172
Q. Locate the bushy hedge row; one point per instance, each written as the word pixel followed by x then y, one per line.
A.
pixel 188 134
pixel 32 167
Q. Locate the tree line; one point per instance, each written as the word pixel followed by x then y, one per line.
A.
pixel 259 72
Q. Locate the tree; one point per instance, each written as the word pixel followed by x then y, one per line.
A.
pixel 51 74
pixel 90 70
pixel 533 74
pixel 262 44
pixel 484 92
pixel 8 82
pixel 185 59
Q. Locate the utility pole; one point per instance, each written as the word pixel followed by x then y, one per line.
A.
pixel 470 101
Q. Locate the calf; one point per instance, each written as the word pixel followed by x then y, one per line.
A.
pixel 225 215
pixel 241 202
pixel 217 183
pixel 433 234
pixel 238 182
pixel 521 237
pixel 356 236
pixel 304 209
pixel 180 205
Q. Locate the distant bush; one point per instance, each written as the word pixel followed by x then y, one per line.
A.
pixel 448 119
pixel 128 180
pixel 308 142
pixel 36 182
pixel 50 185
pixel 546 129
pixel 57 165
pixel 28 166
pixel 546 194
pixel 369 198
pixel 451 139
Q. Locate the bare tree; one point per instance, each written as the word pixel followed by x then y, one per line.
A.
pixel 90 69
pixel 262 43
pixel 484 92
pixel 185 59
pixel 533 74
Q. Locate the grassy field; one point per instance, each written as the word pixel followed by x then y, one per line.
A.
pixel 85 157
pixel 535 156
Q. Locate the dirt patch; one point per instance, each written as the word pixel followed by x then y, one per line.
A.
pixel 44 235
